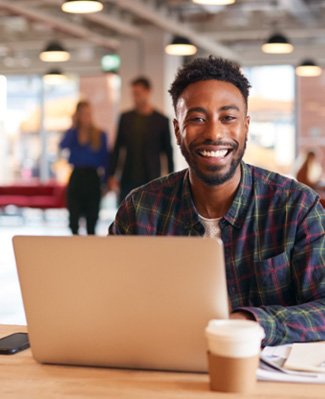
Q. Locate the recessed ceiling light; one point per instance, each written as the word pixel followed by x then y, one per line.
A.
pixel 308 68
pixel 277 44
pixel 180 46
pixel 215 2
pixel 54 76
pixel 54 52
pixel 82 6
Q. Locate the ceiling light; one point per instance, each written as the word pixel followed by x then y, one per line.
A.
pixel 54 76
pixel 277 44
pixel 54 52
pixel 82 6
pixel 180 46
pixel 308 68
pixel 215 2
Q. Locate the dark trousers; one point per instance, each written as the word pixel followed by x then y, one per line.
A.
pixel 83 198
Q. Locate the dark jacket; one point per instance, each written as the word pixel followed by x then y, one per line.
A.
pixel 144 139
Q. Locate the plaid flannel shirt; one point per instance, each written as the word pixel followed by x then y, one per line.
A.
pixel 274 244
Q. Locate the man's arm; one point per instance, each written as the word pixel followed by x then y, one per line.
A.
pixel 167 146
pixel 124 222
pixel 306 320
pixel 119 143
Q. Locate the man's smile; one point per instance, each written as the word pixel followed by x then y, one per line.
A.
pixel 220 153
pixel 217 153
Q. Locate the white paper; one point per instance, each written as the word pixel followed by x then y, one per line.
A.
pixel 307 357
pixel 265 375
pixel 277 356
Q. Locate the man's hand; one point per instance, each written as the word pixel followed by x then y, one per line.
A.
pixel 241 316
pixel 113 184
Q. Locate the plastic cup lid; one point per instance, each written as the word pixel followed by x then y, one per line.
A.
pixel 234 329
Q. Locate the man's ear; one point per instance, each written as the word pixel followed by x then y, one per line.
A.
pixel 176 131
pixel 247 122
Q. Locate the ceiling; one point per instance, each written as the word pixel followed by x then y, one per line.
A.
pixel 235 31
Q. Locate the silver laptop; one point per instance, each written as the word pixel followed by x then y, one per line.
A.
pixel 130 302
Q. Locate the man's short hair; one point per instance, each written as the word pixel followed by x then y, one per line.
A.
pixel 142 81
pixel 210 68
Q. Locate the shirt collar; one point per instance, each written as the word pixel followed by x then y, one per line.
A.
pixel 235 214
pixel 190 216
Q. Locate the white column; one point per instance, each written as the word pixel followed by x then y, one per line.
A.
pixel 147 57
pixel 131 53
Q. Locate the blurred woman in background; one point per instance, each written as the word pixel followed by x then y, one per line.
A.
pixel 89 156
pixel 310 171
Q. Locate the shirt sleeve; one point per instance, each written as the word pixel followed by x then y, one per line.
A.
pixel 167 146
pixel 114 159
pixel 304 321
pixel 125 221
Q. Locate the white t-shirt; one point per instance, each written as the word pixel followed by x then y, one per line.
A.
pixel 211 226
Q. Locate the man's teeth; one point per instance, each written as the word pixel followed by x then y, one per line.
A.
pixel 215 154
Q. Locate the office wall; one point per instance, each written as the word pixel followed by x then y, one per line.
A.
pixel 103 92
pixel 311 116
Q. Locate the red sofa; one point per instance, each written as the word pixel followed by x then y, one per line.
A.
pixel 34 195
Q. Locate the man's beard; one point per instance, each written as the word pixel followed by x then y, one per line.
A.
pixel 214 175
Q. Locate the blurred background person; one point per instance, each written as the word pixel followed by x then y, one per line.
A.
pixel 89 156
pixel 310 171
pixel 143 136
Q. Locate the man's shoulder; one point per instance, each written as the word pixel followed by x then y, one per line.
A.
pixel 268 182
pixel 156 115
pixel 127 114
pixel 162 186
pixel 159 116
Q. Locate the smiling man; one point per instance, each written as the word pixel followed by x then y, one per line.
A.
pixel 272 227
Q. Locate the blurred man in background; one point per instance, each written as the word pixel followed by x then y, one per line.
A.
pixel 143 136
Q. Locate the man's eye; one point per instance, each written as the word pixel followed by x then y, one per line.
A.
pixel 228 118
pixel 197 119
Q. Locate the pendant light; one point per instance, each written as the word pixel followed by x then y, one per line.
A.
pixel 214 2
pixel 180 46
pixel 82 6
pixel 54 77
pixel 54 52
pixel 277 44
pixel 308 68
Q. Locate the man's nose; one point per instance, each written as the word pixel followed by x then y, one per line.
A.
pixel 215 130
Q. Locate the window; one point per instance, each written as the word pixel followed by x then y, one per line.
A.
pixel 32 116
pixel 271 142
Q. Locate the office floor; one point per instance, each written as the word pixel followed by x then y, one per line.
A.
pixel 31 222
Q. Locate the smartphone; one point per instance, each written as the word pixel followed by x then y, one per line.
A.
pixel 14 343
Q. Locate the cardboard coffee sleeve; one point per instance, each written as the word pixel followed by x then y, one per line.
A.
pixel 229 374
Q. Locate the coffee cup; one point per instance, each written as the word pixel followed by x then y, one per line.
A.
pixel 233 354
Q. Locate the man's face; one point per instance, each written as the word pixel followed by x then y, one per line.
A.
pixel 211 129
pixel 141 95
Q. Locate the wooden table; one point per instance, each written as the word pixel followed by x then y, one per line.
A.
pixel 22 377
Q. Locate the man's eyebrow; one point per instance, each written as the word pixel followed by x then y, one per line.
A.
pixel 229 107
pixel 196 109
pixel 223 108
